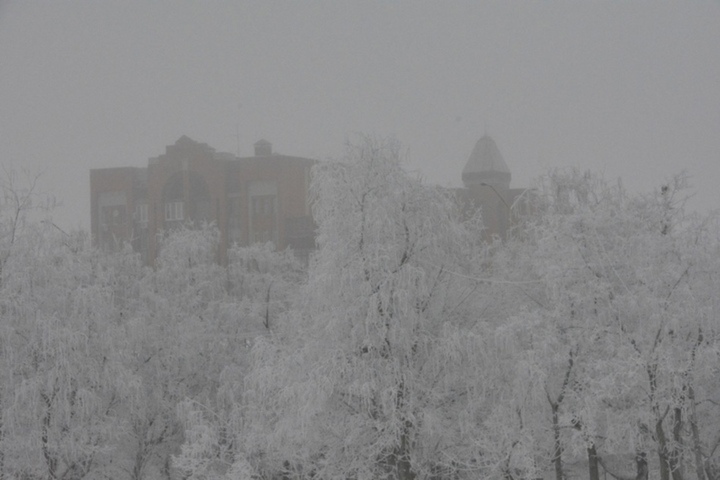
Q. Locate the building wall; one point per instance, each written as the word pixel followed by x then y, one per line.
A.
pixel 500 207
pixel 113 191
pixel 255 199
pixel 252 199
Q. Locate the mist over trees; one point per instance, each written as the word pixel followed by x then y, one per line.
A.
pixel 585 344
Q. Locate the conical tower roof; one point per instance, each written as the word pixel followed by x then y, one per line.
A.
pixel 486 165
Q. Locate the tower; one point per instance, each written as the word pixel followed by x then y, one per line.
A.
pixel 486 178
pixel 486 166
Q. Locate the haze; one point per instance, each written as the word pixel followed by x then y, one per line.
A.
pixel 629 89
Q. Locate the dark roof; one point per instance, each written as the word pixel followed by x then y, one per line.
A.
pixel 485 158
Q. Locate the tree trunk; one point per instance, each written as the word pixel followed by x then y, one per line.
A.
pixel 695 431
pixel 167 467
pixel 2 438
pixel 675 454
pixel 662 443
pixel 399 460
pixel 2 449
pixel 641 466
pixel 593 463
pixel 400 457
pixel 710 470
pixel 662 449
pixel 557 454
pixel 692 412
pixel 50 458
pixel 555 406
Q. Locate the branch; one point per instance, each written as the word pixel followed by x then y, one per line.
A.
pixel 566 380
pixel 715 445
pixel 677 282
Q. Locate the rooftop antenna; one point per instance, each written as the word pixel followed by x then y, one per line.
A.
pixel 237 137
pixel 237 129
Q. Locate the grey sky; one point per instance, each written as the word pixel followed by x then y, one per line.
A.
pixel 630 89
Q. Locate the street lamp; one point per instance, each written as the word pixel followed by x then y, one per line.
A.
pixel 498 194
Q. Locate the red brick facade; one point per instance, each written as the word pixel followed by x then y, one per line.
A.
pixel 251 199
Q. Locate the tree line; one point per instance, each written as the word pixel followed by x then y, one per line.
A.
pixel 584 344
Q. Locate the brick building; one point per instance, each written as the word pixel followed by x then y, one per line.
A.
pixel 251 199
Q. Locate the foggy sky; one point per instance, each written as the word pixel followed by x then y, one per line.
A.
pixel 629 89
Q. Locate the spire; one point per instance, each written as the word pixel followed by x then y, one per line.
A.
pixel 486 165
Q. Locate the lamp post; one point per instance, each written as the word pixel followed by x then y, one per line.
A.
pixel 498 194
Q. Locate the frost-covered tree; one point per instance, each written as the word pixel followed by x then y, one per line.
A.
pixel 379 371
pixel 193 335
pixel 17 200
pixel 62 358
pixel 668 314
pixel 62 376
pixel 264 282
pixel 617 327
pixel 177 345
pixel 565 332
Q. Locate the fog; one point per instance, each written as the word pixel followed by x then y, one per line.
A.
pixel 629 89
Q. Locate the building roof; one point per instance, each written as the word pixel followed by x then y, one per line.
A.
pixel 486 164
pixel 486 158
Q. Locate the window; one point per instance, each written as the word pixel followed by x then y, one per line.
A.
pixel 174 211
pixel 263 205
pixel 141 213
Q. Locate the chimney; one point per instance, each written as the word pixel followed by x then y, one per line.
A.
pixel 263 148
